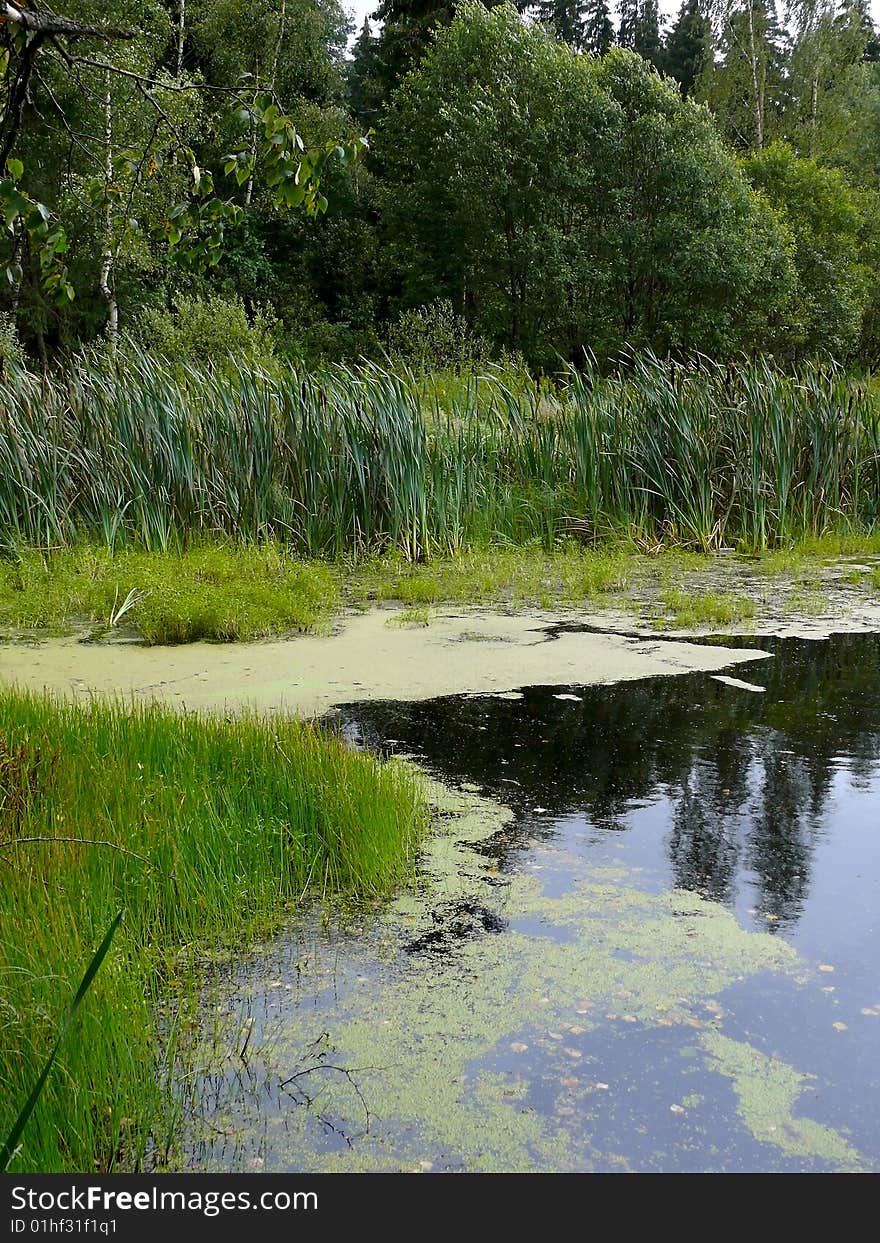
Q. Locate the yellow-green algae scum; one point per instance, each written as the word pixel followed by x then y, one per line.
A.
pixel 480 1059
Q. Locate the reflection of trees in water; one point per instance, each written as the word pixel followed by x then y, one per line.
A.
pixel 704 845
pixel 748 775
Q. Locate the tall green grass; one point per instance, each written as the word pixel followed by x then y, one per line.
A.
pixel 351 461
pixel 203 830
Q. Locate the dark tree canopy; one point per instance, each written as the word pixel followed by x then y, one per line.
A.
pixel 689 45
pixel 158 154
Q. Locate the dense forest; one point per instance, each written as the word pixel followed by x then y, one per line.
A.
pixel 191 175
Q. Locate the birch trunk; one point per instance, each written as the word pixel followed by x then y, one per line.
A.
pixel 105 277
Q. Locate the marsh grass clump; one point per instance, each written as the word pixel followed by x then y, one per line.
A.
pixel 514 576
pixel 419 618
pixel 218 592
pixel 353 462
pixel 688 610
pixel 203 830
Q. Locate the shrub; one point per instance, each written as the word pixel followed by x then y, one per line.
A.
pixel 211 327
pixel 434 336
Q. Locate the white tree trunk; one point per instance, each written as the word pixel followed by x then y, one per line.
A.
pixel 757 81
pixel 181 32
pixel 105 276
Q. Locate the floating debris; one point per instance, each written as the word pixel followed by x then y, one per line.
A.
pixel 738 683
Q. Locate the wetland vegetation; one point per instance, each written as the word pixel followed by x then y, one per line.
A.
pixel 206 832
pixel 510 307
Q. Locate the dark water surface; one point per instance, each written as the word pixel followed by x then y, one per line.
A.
pixel 666 959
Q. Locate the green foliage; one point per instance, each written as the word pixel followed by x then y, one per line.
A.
pixel 559 202
pixel 433 337
pixel 26 216
pixel 407 28
pixel 202 328
pixel 598 29
pixel 689 45
pixel 206 832
pixel 538 213
pixel 824 217
pixel 296 47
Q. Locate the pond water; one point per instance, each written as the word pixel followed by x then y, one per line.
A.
pixel 646 937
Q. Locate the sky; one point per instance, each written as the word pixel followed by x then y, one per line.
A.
pixel 668 8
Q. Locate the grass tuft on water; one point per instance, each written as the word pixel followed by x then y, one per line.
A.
pixel 205 831
pixel 687 610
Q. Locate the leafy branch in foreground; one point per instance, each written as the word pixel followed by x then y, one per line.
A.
pixel 193 229
pixel 10 1147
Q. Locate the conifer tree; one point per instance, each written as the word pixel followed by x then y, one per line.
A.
pixel 598 27
pixel 689 45
pixel 565 18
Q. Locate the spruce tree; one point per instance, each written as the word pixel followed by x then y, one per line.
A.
pixel 647 40
pixel 627 31
pixel 363 91
pixel 640 29
pixel 688 45
pixel 407 29
pixel 598 27
pixel 565 18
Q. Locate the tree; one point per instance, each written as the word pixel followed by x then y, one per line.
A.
pixel 565 18
pixel 364 92
pixel 627 30
pixel 296 46
pixel 108 119
pixel 646 36
pixel 825 220
pixel 408 27
pixel 745 86
pixel 562 203
pixel 598 27
pixel 828 45
pixel 639 29
pixel 689 46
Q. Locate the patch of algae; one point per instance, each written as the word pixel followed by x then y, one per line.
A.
pixel 449 1045
pixel 767 1091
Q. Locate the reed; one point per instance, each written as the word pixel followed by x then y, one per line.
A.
pixel 354 461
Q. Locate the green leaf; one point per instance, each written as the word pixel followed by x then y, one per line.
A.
pixel 7 1152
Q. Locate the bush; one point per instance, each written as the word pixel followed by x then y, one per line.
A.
pixel 433 336
pixel 324 342
pixel 201 328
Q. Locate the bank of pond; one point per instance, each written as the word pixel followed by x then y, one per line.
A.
pixel 565 927
pixel 206 832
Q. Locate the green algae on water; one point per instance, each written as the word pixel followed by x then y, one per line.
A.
pixel 454 1051
pixel 767 1090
